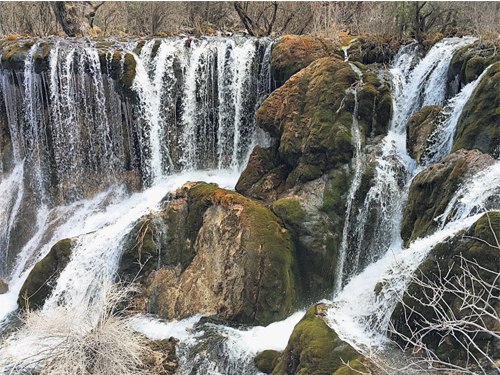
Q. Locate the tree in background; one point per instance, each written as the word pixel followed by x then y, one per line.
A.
pixel 76 17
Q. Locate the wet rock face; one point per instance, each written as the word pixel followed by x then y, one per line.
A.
pixel 468 63
pixel 40 282
pixel 475 249
pixel 314 348
pixel 4 287
pixel 418 129
pixel 234 259
pixel 479 124
pixel 292 53
pixel 431 191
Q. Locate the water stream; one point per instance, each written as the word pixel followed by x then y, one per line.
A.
pixel 190 117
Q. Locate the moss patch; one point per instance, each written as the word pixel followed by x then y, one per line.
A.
pixel 314 348
pixel 479 124
pixel 292 53
pixel 41 280
pixel 443 265
pixel 266 361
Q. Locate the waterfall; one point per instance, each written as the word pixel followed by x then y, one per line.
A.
pixel 379 218
pixel 355 182
pixel 78 132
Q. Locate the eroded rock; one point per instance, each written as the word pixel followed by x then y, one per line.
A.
pixel 419 128
pixel 4 287
pixel 432 189
pixel 440 290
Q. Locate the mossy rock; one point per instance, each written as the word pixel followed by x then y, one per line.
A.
pixel 264 177
pixel 126 78
pixel 41 57
pixel 161 358
pixel 432 189
pixel 292 53
pixel 468 63
pixel 14 53
pixel 266 361
pixel 315 349
pixel 419 128
pixel 443 265
pixel 42 278
pixel 308 117
pixel 479 124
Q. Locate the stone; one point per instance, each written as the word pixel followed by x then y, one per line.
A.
pixel 315 348
pixel 419 128
pixel 432 189
pixel 477 249
pixel 40 281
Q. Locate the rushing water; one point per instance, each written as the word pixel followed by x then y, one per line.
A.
pixel 189 115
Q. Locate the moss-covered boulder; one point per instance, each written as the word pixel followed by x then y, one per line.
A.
pixel 264 176
pixel 369 50
pixel 455 282
pixel 469 62
pixel 479 124
pixel 292 53
pixel 431 191
pixel 4 287
pixel 418 129
pixel 314 348
pixel 266 361
pixel 41 280
pixel 233 258
pixel 14 52
pixel 308 117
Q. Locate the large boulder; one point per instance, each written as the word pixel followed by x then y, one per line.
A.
pixel 419 128
pixel 233 258
pixel 292 53
pixel 468 63
pixel 315 348
pixel 41 280
pixel 431 191
pixel 479 124
pixel 456 290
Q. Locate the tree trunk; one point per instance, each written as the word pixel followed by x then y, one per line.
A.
pixel 70 18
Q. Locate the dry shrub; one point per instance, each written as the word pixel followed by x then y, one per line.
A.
pixel 82 340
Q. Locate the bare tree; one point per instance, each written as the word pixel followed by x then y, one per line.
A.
pixel 76 18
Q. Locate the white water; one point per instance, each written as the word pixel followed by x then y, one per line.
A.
pixel 358 316
pixel 358 163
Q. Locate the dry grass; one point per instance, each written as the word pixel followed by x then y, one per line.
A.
pixel 72 341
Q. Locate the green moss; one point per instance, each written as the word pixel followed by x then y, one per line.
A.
pixel 290 211
pixel 443 265
pixel 127 76
pixel 474 68
pixel 314 348
pixel 41 280
pixel 290 54
pixel 478 125
pixel 266 361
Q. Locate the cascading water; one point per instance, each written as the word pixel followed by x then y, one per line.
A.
pixel 377 223
pixel 193 102
pixel 81 133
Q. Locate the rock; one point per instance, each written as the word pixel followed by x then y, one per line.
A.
pixel 40 282
pixel 418 129
pixel 13 53
pixel 263 178
pixel 233 258
pixel 308 118
pixel 479 124
pixel 468 63
pixel 368 50
pixel 432 189
pixel 314 348
pixel 266 361
pixel 292 53
pixel 443 266
pixel 161 358
pixel 4 287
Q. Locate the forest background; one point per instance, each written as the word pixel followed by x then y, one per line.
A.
pixel 333 19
